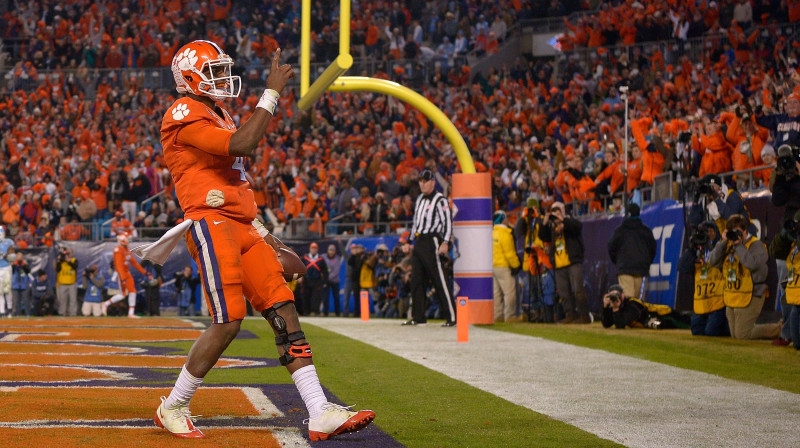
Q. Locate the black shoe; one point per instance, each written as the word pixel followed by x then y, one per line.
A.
pixel 449 323
pixel 412 322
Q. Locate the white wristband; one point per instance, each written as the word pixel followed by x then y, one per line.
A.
pixel 269 100
pixel 262 231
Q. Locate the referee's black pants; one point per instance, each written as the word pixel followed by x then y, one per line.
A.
pixel 426 269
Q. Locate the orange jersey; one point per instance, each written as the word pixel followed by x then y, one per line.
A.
pixel 207 180
pixel 122 259
pixel 122 226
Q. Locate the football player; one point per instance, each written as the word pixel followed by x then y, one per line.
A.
pixel 127 287
pixel 205 154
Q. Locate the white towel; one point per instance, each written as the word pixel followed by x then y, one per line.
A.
pixel 159 251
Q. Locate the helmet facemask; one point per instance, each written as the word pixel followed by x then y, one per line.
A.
pixel 217 81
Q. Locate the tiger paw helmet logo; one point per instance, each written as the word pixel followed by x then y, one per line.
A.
pixel 180 112
pixel 187 59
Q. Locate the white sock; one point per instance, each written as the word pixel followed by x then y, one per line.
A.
pixel 132 300
pixel 184 390
pixel 115 298
pixel 307 382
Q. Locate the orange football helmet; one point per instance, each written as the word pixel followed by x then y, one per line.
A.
pixel 202 68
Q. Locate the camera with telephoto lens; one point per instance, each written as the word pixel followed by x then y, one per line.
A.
pixel 788 155
pixel 684 137
pixel 614 297
pixel 700 238
pixel 706 190
pixel 791 229
pixel 88 272
pixel 733 235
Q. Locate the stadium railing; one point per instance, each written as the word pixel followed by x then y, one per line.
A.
pixel 665 186
pixel 301 228
pixel 744 178
pixel 104 228
pixel 369 228
pixel 297 229
pixel 551 24
pixel 77 231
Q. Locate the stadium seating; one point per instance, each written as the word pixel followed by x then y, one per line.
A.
pixel 85 86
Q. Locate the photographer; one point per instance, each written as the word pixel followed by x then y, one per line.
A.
pixel 714 201
pixel 708 318
pixel 743 259
pixel 632 248
pixel 505 266
pixel 622 311
pixel 564 233
pixel 93 283
pixel 785 181
pixel 20 284
pixel 785 186
pixel 400 282
pixel 152 288
pixel 383 268
pixel 354 263
pixel 785 246
pixel 184 290
pixel 42 294
pixel 66 282
pixel 536 263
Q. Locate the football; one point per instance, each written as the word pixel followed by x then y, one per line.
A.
pixel 293 267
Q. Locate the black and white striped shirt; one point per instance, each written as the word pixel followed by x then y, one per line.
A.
pixel 432 217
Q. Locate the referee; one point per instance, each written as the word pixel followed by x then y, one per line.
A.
pixel 431 232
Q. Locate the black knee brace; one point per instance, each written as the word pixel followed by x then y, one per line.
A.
pixel 285 339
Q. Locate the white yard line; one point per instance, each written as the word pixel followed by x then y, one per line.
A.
pixel 262 403
pixel 630 401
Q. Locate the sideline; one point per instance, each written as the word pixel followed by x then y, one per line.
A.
pixel 633 402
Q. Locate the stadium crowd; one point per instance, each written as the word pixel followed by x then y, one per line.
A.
pixel 76 152
pixel 628 23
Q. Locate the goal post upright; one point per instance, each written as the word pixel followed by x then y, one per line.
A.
pixel 471 191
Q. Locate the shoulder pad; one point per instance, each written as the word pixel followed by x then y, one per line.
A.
pixel 183 111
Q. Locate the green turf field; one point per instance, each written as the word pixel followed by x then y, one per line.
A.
pixel 415 405
pixel 423 408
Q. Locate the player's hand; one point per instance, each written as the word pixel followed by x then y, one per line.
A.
pixel 279 75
